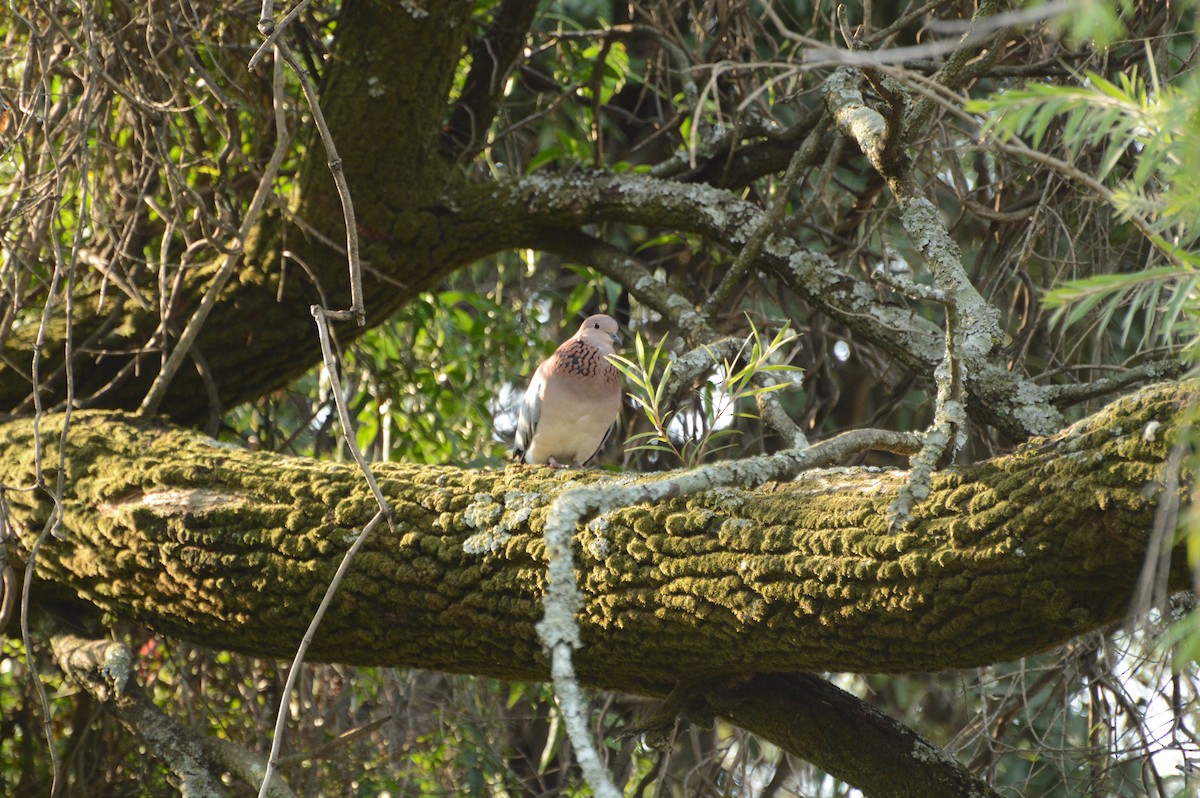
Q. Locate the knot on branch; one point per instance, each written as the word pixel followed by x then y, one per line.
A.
pixel 102 665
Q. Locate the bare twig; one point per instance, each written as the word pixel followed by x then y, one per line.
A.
pixel 385 513
pixel 268 27
pixel 54 521
pixel 983 26
pixel 1074 393
pixel 767 224
pixel 104 668
pixel 343 412
pixel 297 661
pixel 357 310
pixel 336 744
pixel 8 578
pixel 321 315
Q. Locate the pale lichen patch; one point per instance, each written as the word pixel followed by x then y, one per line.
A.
pixel 518 506
pixel 725 500
pixel 487 541
pixel 483 511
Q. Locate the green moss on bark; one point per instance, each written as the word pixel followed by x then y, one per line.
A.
pixel 234 549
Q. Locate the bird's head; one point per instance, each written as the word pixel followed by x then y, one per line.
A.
pixel 601 332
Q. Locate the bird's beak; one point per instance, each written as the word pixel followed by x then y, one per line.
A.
pixel 616 339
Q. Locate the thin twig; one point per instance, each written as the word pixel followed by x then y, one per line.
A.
pixel 267 27
pixel 385 513
pixel 336 744
pixel 1074 393
pixel 55 520
pixel 266 17
pixel 769 221
pixel 339 400
pixel 357 310
pixel 298 660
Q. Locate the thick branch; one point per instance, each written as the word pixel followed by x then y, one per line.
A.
pixel 795 710
pixel 233 549
pixel 492 58
pixel 105 669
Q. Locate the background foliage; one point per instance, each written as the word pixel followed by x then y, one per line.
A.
pixel 1066 168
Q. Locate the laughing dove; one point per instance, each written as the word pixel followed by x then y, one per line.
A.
pixel 572 400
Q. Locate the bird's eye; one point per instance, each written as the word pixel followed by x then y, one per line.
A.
pixel 596 325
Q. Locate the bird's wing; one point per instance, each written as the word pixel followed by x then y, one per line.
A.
pixel 527 418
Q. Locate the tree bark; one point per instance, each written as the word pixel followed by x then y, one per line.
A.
pixel 233 549
pixel 738 591
pixel 385 98
pixel 795 710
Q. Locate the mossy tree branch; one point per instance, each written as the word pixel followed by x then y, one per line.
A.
pixel 106 670
pixel 232 549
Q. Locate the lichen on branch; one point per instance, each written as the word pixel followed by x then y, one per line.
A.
pixel 233 549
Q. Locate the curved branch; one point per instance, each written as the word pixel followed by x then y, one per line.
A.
pixel 800 709
pixel 105 669
pixel 1014 404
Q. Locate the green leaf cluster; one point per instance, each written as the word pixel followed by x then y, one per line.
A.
pixel 693 438
pixel 1149 137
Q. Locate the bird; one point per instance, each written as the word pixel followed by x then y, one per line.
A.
pixel 572 400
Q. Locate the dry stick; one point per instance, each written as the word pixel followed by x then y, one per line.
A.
pixel 298 660
pixel 356 311
pixel 559 633
pixel 8 577
pixel 158 390
pixel 51 522
pixel 266 17
pixel 385 512
pixel 54 522
pixel 978 29
pixel 268 28
pixel 949 410
pixel 326 750
pixel 321 315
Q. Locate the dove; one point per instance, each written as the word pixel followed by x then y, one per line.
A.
pixel 572 400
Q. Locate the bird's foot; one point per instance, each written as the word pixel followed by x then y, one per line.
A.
pixel 552 463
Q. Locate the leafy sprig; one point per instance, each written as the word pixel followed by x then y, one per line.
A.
pixel 650 371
